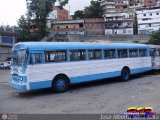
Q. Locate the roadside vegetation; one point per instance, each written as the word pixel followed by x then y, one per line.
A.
pixel 155 38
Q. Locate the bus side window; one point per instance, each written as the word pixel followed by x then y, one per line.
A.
pixel 133 53
pixel 142 52
pixel 122 53
pixel 35 58
pixel 158 52
pixel 95 54
pixel 55 56
pixel 110 54
pixel 76 55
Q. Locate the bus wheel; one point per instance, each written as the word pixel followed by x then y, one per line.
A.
pixel 125 74
pixel 60 84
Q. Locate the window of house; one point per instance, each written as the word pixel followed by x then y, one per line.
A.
pixel 76 55
pixel 142 52
pixel 149 24
pixel 150 14
pixel 55 56
pixel 81 25
pixel 157 13
pixel 95 54
pixel 133 53
pixel 109 54
pixel 144 14
pixel 122 53
pixel 66 26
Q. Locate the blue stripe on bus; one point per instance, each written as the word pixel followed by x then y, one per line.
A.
pixel 94 77
pixel 86 78
pixel 140 70
pixel 41 84
pixel 18 86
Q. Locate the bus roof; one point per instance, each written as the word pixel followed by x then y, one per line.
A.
pixel 74 45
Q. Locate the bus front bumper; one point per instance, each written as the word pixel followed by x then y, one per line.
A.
pixel 18 86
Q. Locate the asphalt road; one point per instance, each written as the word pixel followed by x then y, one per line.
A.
pixel 107 96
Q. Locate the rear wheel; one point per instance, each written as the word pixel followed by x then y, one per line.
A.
pixel 125 74
pixel 60 84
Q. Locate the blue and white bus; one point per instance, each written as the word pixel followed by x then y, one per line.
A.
pixel 155 56
pixel 57 65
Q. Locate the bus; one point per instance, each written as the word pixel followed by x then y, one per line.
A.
pixel 57 65
pixel 155 56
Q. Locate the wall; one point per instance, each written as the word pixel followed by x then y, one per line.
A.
pixel 94 26
pixel 5 52
pixel 111 38
pixel 148 20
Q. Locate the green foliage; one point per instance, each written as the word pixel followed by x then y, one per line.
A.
pixel 62 3
pixel 79 14
pixel 94 10
pixel 8 28
pixel 155 37
pixel 37 12
pixel 1 28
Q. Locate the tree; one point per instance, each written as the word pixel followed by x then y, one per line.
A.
pixel 38 11
pixel 94 10
pixel 79 14
pixel 1 28
pixel 155 37
pixel 23 28
pixel 62 3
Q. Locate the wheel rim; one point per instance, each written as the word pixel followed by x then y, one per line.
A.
pixel 125 75
pixel 61 84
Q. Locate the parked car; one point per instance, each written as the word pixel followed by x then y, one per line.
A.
pixel 4 65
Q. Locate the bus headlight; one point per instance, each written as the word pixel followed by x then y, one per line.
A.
pixel 20 70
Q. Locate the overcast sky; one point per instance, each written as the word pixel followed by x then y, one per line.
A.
pixel 11 10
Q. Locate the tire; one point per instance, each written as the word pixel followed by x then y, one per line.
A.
pixel 60 84
pixel 125 74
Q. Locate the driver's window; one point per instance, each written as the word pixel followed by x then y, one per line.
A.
pixel 35 58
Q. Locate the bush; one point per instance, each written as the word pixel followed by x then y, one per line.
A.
pixel 155 37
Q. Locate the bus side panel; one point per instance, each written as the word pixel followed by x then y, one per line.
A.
pixel 157 62
pixel 41 75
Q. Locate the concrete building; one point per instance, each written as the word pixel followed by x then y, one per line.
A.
pixel 148 20
pixel 68 27
pixel 119 23
pixel 121 5
pixel 94 26
pixel 108 5
pixel 136 3
pixel 149 3
pixel 59 14
pixel 7 40
pixel 118 17
pixel 158 2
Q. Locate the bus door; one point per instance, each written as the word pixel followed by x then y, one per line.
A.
pixel 35 61
pixel 153 57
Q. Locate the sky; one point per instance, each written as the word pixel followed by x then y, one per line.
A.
pixel 11 10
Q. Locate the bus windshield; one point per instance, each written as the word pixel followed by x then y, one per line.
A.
pixel 19 57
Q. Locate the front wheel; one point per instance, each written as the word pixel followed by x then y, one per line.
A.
pixel 125 74
pixel 60 85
